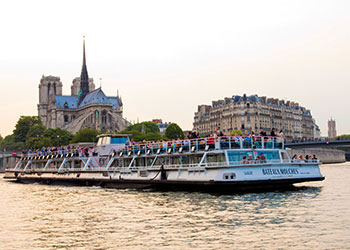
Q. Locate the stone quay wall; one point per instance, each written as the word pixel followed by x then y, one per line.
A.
pixel 325 155
pixel 7 161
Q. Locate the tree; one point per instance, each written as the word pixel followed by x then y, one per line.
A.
pixel 86 135
pixel 343 137
pixel 57 137
pixel 152 136
pixel 148 131
pixel 23 126
pixel 8 143
pixel 34 136
pixel 236 132
pixel 144 127
pixel 173 131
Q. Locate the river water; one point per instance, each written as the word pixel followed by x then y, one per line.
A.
pixel 313 216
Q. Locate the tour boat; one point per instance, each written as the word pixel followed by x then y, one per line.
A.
pixel 227 163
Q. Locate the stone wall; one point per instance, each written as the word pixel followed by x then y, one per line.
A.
pixel 323 154
pixel 7 161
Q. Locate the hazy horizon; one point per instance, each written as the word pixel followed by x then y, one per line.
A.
pixel 166 58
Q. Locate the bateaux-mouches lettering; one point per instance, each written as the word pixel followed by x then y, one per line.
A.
pixel 280 171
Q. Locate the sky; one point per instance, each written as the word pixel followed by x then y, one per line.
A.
pixel 167 57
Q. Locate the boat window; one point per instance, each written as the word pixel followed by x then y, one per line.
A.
pixel 105 140
pixel 175 160
pixel 162 161
pixel 235 157
pixel 284 157
pixel 215 158
pixel 195 159
pixel 140 162
pixel 127 162
pixel 269 154
pixel 149 161
pixel 119 140
pixel 184 159
pixel 99 142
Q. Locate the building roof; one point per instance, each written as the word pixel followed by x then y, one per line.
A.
pixel 63 101
pixel 97 96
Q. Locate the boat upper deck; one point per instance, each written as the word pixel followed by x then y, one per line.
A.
pixel 202 144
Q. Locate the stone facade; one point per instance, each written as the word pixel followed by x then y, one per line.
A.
pixel 253 113
pixel 86 107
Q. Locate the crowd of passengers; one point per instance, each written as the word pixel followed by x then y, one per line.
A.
pixel 61 151
pixel 250 160
pixel 262 159
pixel 205 140
pixel 307 158
pixel 92 151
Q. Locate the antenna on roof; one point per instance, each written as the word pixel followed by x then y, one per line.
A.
pixel 100 83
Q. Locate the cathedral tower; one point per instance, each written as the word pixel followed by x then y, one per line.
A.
pixel 49 88
pixel 84 79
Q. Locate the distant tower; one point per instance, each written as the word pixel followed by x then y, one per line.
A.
pixel 49 88
pixel 331 128
pixel 84 78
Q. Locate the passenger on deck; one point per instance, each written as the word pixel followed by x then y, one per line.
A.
pixel 280 133
pixel 307 158
pixel 250 159
pixel 244 160
pixel 273 133
pixel 211 140
pixel 257 160
pixel 314 158
pixel 262 158
pixel 300 159
pixel 262 133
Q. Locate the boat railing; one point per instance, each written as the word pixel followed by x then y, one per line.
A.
pixel 203 144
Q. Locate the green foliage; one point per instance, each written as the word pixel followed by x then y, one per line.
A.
pixel 34 136
pixel 152 136
pixel 23 126
pixel 173 131
pixel 343 137
pixel 9 143
pixel 144 131
pixel 38 136
pixel 144 127
pixel 236 132
pixel 86 135
pixel 58 136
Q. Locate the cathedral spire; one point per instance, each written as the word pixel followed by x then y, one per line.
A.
pixel 84 78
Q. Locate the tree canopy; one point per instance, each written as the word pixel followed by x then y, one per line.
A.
pixel 86 135
pixel 9 143
pixel 173 131
pixel 144 127
pixel 236 132
pixel 148 131
pixel 23 126
pixel 35 135
pixel 343 137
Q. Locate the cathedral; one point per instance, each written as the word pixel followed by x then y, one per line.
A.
pixel 86 107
